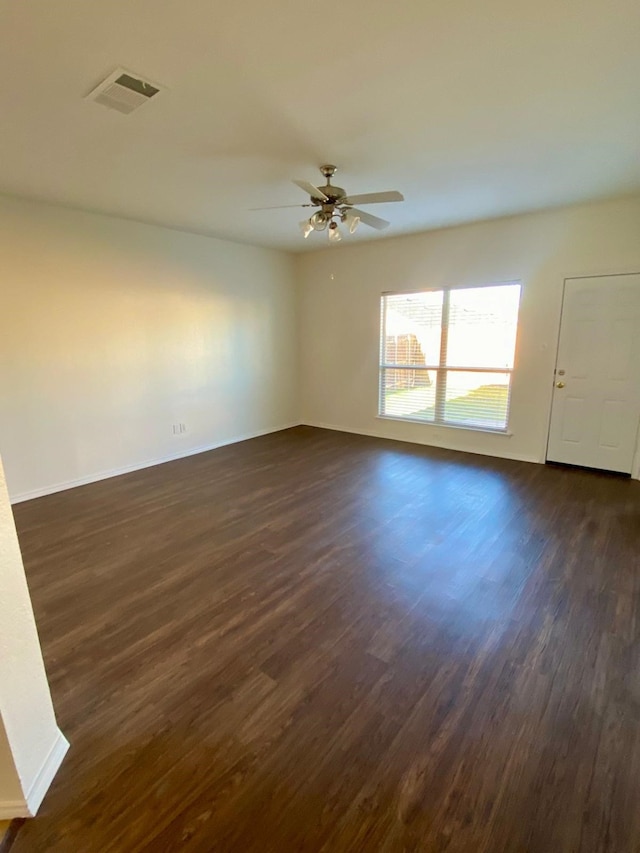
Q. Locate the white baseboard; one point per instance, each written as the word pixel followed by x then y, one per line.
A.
pixel 43 780
pixel 517 457
pixel 139 466
pixel 10 809
pixel 28 807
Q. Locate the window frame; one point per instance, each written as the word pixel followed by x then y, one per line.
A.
pixel 441 369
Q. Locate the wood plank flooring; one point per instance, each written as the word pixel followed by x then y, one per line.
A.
pixel 315 641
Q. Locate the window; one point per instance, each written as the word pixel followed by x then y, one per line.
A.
pixel 446 356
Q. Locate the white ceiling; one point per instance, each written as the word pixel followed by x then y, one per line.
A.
pixel 471 109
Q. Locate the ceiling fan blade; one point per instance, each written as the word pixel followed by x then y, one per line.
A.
pixel 281 206
pixel 374 198
pixel 314 192
pixel 368 219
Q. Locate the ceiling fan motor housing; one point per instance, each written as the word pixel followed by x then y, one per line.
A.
pixel 333 194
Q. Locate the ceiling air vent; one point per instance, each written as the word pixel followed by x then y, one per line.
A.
pixel 124 92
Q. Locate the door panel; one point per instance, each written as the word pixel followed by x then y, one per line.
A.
pixel 621 352
pixel 596 409
pixel 573 420
pixel 610 424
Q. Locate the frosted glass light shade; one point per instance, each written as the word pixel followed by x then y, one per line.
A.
pixel 319 221
pixel 334 233
pixel 351 221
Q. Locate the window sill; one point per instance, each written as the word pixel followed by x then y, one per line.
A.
pixel 504 432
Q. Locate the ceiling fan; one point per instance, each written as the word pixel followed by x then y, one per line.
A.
pixel 336 206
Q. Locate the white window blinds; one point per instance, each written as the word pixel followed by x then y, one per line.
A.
pixel 446 356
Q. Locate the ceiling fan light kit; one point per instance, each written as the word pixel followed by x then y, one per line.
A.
pixel 336 206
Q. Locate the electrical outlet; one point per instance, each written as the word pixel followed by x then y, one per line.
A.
pixel 179 429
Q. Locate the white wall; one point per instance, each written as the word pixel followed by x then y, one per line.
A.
pixel 339 305
pixel 31 745
pixel 10 787
pixel 112 331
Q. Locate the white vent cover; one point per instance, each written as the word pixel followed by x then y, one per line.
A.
pixel 124 92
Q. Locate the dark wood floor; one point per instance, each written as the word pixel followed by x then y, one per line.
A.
pixel 321 642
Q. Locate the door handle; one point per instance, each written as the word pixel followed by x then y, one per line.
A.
pixel 560 384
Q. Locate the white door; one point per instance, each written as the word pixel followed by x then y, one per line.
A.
pixel 596 396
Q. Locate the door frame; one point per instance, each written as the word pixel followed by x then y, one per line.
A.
pixel 635 465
